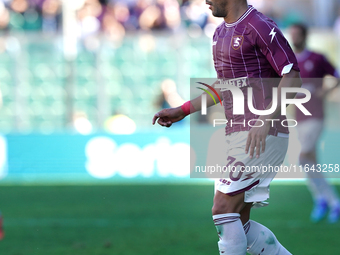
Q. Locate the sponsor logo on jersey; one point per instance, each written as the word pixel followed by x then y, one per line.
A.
pixel 238 82
pixel 237 41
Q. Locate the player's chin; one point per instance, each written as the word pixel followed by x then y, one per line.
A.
pixel 217 14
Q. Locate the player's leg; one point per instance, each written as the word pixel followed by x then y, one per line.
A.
pixel 307 159
pixel 226 216
pixel 234 193
pixel 324 195
pixel 245 213
pixel 260 240
pixel 315 184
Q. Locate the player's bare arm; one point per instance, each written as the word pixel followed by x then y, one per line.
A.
pixel 167 117
pixel 257 135
pixel 325 91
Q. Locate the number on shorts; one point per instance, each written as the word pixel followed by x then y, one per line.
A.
pixel 233 168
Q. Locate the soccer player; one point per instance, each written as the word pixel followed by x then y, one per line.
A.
pixel 313 68
pixel 248 47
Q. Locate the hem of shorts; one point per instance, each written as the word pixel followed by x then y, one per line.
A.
pixel 244 189
pixel 310 118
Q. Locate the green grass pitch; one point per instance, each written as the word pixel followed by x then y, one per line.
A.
pixel 145 219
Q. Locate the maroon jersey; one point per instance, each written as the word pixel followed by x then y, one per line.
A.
pixel 313 68
pixel 254 48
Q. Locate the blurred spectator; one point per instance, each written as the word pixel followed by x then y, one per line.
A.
pixel 88 17
pixel 51 12
pixel 4 17
pixel 46 15
pixel 171 13
pixel 24 16
pixel 121 13
pixel 81 123
pixel 137 10
pixel 152 18
pixel 114 30
pixel 195 12
pixel 120 124
pixel 169 96
pixel 164 14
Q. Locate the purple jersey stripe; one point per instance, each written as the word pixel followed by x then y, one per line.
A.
pixel 244 189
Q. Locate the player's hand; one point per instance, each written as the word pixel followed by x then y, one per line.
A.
pixel 257 139
pixel 168 116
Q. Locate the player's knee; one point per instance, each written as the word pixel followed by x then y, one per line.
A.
pixel 307 155
pixel 218 209
pixel 227 204
pixel 222 207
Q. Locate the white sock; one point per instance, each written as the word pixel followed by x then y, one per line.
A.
pixel 261 241
pixel 233 240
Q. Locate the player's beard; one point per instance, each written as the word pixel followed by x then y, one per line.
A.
pixel 299 46
pixel 218 9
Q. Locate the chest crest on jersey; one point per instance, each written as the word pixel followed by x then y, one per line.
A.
pixel 309 66
pixel 237 41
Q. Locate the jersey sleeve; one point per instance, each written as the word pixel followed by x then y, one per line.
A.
pixel 328 68
pixel 274 46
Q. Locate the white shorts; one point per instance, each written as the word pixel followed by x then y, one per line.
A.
pixel 255 184
pixel 309 132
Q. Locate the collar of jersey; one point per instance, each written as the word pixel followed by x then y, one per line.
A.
pixel 302 56
pixel 241 18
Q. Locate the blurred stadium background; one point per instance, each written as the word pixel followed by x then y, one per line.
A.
pixel 82 169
